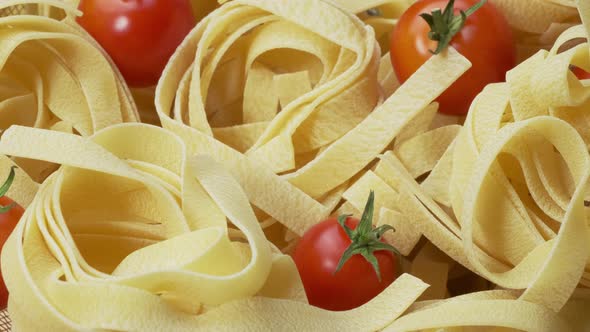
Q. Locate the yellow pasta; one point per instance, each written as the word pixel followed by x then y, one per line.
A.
pixel 275 115
pixel 120 244
pixel 53 76
pixel 217 111
pixel 537 23
pixel 506 197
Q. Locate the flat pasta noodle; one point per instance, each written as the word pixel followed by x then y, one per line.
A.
pixel 108 244
pixel 537 23
pixel 535 16
pixel 511 314
pixel 53 75
pixel 141 225
pixel 381 15
pixel 301 119
pixel 514 183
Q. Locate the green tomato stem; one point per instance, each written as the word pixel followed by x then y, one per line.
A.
pixel 444 25
pixel 365 239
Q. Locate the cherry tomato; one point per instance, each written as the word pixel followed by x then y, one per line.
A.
pixel 9 217
pixel 485 39
pixel 317 257
pixel 580 73
pixel 139 35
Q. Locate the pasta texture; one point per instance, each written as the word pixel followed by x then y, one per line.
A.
pixel 132 234
pixel 275 115
pixel 53 76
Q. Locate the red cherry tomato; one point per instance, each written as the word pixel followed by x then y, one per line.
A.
pixel 139 35
pixel 580 73
pixel 485 39
pixel 317 255
pixel 8 220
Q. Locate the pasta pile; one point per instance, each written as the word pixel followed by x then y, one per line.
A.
pixel 504 196
pixel 381 15
pixel 537 23
pixel 275 115
pixel 224 102
pixel 53 76
pixel 132 234
pixel 518 244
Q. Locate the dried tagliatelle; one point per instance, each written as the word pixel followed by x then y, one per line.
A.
pixel 537 23
pixel 134 233
pixel 138 231
pixel 53 76
pixel 381 15
pixel 290 88
pixel 505 196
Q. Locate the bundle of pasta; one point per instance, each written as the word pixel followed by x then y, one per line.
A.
pixel 132 234
pixel 537 23
pixel 381 15
pixel 504 196
pixel 54 76
pixel 316 63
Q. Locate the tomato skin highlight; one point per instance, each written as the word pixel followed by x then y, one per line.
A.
pixel 8 222
pixel 317 255
pixel 486 40
pixel 139 35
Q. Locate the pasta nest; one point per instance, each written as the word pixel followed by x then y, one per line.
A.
pixel 135 223
pixel 54 76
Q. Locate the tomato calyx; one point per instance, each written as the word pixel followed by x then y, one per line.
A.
pixel 365 239
pixel 4 189
pixel 444 25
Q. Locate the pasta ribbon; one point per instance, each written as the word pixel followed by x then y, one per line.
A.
pixel 537 24
pixel 275 115
pixel 505 196
pixel 134 233
pixel 53 75
pixel 290 88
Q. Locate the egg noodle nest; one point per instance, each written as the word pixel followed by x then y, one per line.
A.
pixel 275 115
